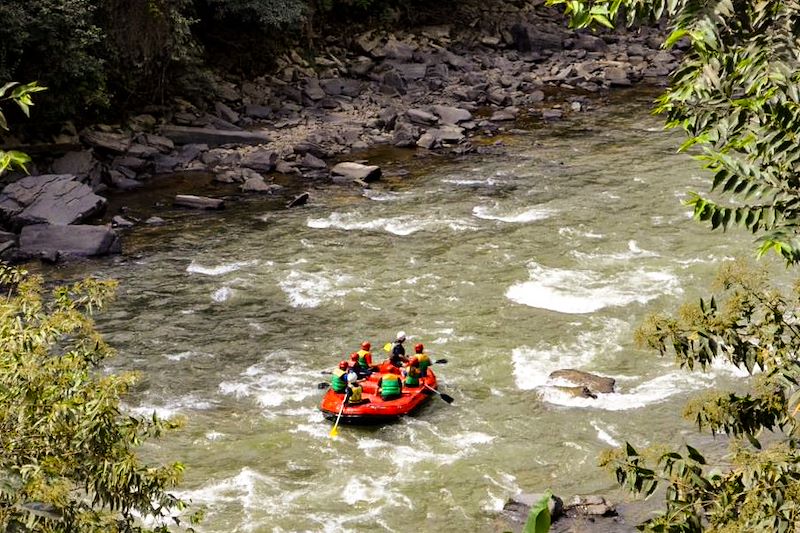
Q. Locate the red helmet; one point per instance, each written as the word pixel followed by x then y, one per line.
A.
pixel 418 348
pixel 414 361
pixel 366 345
pixel 354 356
pixel 343 365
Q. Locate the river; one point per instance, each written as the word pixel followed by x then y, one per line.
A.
pixel 509 266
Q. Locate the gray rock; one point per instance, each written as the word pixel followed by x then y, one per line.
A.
pixel 154 221
pixel 117 143
pixel 212 137
pixel 260 159
pixel 428 141
pixel 592 505
pixel 361 66
pixel 198 202
pixel 226 113
pixel 452 115
pixel 402 51
pixel 341 86
pixel 393 83
pixel 577 377
pixel 509 113
pixel 313 90
pixel 311 161
pixel 236 175
pixel 591 43
pixel 121 222
pixel 411 71
pixel 53 199
pixel 420 116
pixel 142 151
pixel 119 181
pixel 404 136
pixel 133 163
pixel 159 142
pixel 299 200
pixel 552 114
pixel 357 171
pixel 257 184
pixel 257 111
pixel 77 163
pixel 77 240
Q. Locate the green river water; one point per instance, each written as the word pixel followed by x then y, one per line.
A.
pixel 509 266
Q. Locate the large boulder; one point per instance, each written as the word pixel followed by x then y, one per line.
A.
pixel 53 241
pixel 211 136
pixel 357 171
pixel 52 199
pixel 584 379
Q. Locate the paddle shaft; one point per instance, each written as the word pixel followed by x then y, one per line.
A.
pixel 446 397
pixel 333 432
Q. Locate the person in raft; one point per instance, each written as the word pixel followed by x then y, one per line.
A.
pixel 423 358
pixel 398 357
pixel 390 386
pixel 355 391
pixel 363 360
pixel 339 378
pixel 412 373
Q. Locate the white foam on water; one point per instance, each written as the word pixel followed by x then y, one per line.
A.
pixel 270 388
pixel 173 407
pixel 603 435
pixel 528 215
pixel 190 354
pixel 219 270
pixel 383 196
pixel 470 182
pixel 401 225
pixel 222 294
pixel 311 289
pixel 634 252
pixel 532 366
pixel 587 291
pixel 214 435
pixel 574 232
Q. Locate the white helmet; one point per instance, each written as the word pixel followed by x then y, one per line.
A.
pixel 401 335
pixel 351 377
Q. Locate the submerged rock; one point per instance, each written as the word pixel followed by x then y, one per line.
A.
pixel 585 379
pixel 357 171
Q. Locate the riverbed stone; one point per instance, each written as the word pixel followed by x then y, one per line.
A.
pixel 420 116
pixel 54 241
pixel 198 202
pixel 451 115
pixel 51 198
pixel 578 377
pixel 76 163
pixel 212 136
pixel 260 159
pixel 357 171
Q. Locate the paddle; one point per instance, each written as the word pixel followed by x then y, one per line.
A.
pixel 443 396
pixel 335 431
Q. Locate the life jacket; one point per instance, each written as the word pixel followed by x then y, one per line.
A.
pixel 364 358
pixel 424 363
pixel 412 376
pixel 355 394
pixel 390 385
pixel 338 382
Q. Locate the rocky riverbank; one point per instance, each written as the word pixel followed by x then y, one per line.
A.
pixel 433 88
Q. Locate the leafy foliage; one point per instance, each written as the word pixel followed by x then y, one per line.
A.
pixel 67 452
pixel 736 95
pixel 539 516
pixel 21 95
pixel 755 326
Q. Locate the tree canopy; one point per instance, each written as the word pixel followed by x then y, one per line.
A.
pixel 736 95
pixel 68 460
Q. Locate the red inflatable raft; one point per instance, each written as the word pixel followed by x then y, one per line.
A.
pixel 373 409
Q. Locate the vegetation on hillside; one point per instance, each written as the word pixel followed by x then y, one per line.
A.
pixel 118 55
pixel 68 460
pixel 736 96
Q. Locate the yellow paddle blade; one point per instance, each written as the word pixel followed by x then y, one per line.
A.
pixel 334 432
pixel 387 347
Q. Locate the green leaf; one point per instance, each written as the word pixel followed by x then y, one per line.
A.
pixel 539 517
